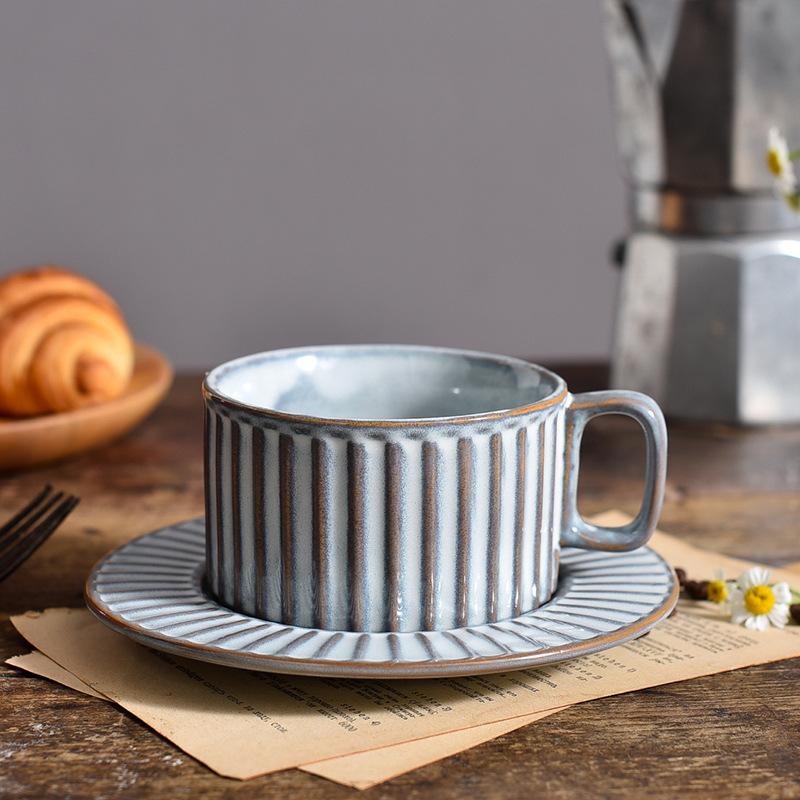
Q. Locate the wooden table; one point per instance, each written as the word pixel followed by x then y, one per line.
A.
pixel 730 735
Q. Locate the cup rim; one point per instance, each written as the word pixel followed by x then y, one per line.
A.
pixel 557 395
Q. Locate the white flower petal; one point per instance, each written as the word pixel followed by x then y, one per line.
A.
pixel 779 615
pixel 764 576
pixel 751 623
pixel 780 164
pixel 747 579
pixel 782 592
pixel 760 622
pixel 755 576
pixel 785 183
pixel 787 180
pixel 777 141
pixel 738 611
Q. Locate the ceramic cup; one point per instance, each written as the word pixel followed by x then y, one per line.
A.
pixel 401 488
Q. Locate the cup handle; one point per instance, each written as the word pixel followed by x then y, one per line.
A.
pixel 582 408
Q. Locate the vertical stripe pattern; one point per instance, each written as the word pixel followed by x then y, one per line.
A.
pixel 356 535
pixel 383 529
pixel 287 502
pixel 394 536
pixel 519 519
pixel 236 572
pixel 465 470
pixel 209 462
pixel 495 508
pixel 219 511
pixel 430 533
pixel 259 514
pixel 321 547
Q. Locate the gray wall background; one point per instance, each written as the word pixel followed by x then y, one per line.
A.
pixel 251 174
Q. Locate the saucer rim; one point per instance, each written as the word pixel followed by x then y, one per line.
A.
pixel 387 670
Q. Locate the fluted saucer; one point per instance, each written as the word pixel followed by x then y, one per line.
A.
pixel 152 591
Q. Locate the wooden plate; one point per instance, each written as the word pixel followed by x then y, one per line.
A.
pixel 39 440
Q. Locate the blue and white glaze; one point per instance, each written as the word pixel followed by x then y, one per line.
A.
pixel 400 488
pixel 151 590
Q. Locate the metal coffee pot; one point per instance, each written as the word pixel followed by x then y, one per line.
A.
pixel 708 321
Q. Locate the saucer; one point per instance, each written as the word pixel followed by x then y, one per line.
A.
pixel 152 591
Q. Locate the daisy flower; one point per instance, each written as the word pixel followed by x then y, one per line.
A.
pixel 758 604
pixel 779 162
pixel 718 591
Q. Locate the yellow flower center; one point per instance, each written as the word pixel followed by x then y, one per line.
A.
pixel 774 162
pixel 717 591
pixel 759 600
pixel 794 201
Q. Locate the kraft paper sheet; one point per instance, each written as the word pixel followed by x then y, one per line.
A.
pixel 244 724
pixel 361 770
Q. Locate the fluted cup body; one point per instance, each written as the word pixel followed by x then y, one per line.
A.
pixel 341 494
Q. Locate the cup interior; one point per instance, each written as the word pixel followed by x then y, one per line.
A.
pixel 382 382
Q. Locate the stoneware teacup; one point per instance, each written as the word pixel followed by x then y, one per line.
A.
pixel 401 488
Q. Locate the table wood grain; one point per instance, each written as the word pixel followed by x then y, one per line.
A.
pixel 732 735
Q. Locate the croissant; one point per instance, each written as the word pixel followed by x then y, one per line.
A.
pixel 63 343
